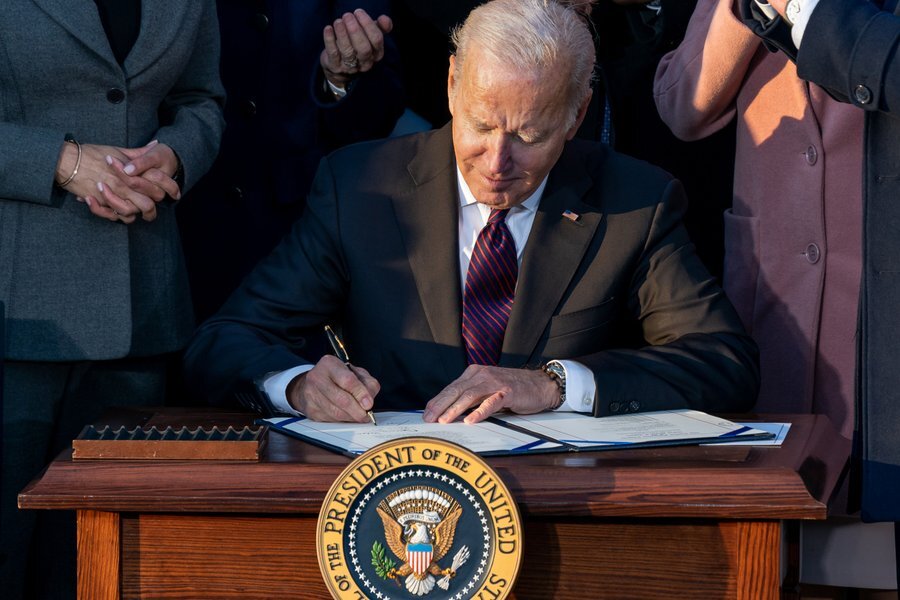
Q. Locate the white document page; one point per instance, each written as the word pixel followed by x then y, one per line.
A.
pixel 650 428
pixel 356 438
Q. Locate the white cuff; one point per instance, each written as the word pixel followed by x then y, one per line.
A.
pixel 803 15
pixel 767 9
pixel 275 387
pixel 580 387
pixel 338 91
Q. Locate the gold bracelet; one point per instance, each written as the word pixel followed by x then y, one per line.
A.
pixel 77 164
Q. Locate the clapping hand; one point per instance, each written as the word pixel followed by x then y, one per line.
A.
pixel 353 44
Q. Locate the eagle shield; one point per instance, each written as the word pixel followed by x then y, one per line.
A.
pixel 419 557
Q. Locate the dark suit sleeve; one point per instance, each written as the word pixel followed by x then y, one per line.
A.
pixel 697 354
pixel 266 326
pixel 850 48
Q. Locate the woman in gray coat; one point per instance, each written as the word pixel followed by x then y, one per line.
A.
pixel 109 112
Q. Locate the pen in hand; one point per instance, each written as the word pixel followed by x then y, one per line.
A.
pixel 338 346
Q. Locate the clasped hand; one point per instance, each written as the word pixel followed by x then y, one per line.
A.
pixel 333 391
pixel 119 184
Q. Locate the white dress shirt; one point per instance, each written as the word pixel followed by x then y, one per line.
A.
pixel 473 216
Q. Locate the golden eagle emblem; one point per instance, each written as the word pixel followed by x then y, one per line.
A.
pixel 419 525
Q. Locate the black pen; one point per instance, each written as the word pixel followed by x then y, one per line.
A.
pixel 338 346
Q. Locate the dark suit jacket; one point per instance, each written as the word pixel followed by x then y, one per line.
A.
pixel 78 287
pixel 620 290
pixel 849 48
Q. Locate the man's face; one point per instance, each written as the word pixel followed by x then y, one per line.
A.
pixel 508 127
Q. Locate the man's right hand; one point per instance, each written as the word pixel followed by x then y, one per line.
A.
pixel 333 391
pixel 353 45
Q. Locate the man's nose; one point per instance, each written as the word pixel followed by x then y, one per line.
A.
pixel 498 153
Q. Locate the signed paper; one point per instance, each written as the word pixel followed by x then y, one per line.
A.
pixel 635 429
pixel 356 438
pixel 519 434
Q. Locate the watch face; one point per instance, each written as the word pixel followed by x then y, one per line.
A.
pixel 558 370
pixel 792 11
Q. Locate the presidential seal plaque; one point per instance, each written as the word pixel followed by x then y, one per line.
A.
pixel 419 518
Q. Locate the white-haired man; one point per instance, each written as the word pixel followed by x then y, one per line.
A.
pixel 495 264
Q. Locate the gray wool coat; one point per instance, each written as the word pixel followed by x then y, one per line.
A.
pixel 77 287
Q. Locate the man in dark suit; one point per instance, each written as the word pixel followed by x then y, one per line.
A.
pixel 849 48
pixel 608 293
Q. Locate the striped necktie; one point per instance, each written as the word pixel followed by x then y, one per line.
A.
pixel 490 289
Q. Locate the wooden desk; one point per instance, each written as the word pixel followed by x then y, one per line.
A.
pixel 687 522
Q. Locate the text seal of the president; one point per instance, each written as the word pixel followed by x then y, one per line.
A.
pixel 419 518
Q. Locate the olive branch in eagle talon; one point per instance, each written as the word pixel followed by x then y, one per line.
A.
pixel 383 565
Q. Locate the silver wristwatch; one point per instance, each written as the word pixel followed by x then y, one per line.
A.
pixel 557 373
pixel 792 11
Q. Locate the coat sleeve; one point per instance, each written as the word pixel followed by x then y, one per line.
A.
pixel 28 162
pixel 191 115
pixel 696 84
pixel 850 48
pixel 266 324
pixel 697 354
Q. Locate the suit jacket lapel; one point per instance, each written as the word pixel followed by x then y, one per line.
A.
pixel 80 18
pixel 160 22
pixel 428 218
pixel 553 252
pixel 159 26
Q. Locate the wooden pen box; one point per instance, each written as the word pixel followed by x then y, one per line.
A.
pixel 169 443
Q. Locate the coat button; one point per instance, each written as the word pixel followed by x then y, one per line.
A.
pixel 115 95
pixel 634 406
pixel 261 22
pixel 614 407
pixel 812 156
pixel 812 253
pixel 862 94
pixel 250 108
pixel 236 194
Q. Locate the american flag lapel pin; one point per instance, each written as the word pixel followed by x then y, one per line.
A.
pixel 574 217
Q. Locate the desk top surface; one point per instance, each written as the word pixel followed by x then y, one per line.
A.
pixel 793 481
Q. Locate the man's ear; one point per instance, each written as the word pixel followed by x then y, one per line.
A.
pixel 582 111
pixel 451 81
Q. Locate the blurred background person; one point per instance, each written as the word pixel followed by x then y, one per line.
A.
pixel 792 238
pixel 793 251
pixel 109 111
pixel 849 48
pixel 631 37
pixel 282 117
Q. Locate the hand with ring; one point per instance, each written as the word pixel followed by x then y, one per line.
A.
pixel 353 44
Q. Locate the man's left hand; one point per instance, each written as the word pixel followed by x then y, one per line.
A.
pixel 492 389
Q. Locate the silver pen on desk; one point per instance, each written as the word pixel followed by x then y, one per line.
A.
pixel 338 346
